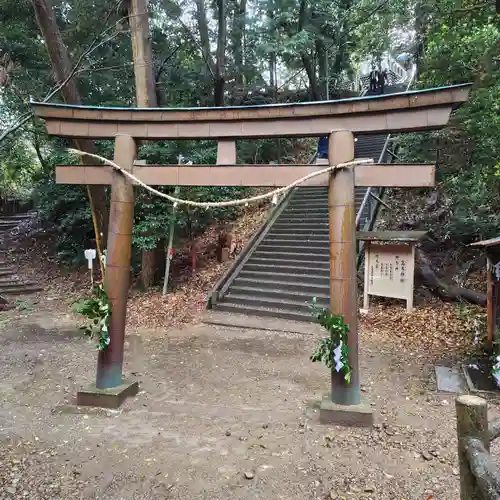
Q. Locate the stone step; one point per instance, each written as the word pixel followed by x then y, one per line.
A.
pixel 302 214
pixel 305 268
pixel 299 227
pixel 302 306
pixel 300 233
pixel 317 246
pixel 310 288
pixel 14 278
pixel 291 208
pixel 320 198
pixel 312 237
pixel 312 278
pixel 7 271
pixel 265 312
pixel 311 189
pixel 291 255
pixel 287 246
pixel 308 205
pixel 325 266
pixel 281 293
pixel 27 215
pixel 304 219
pixel 19 288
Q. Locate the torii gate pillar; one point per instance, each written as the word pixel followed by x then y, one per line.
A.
pixel 110 389
pixel 343 405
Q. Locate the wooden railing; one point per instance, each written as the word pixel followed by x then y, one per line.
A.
pixel 479 475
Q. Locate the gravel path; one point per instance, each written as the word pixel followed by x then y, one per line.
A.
pixel 223 413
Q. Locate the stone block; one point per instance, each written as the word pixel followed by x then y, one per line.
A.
pixel 331 413
pixel 107 398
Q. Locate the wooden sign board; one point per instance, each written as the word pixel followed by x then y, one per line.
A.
pixel 389 271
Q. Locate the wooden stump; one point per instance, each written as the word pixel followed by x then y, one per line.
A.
pixel 472 422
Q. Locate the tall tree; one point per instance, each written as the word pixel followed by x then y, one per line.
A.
pixel 237 38
pixel 142 54
pixel 215 68
pixel 220 57
pixel 145 91
pixel 61 66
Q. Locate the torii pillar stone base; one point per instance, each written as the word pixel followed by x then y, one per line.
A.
pixel 343 406
pixel 330 413
pixel 112 397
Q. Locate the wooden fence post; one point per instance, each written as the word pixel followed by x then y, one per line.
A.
pixel 472 422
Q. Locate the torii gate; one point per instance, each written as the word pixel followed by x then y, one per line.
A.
pixel 405 112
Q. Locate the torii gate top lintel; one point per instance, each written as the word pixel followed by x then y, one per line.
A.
pixel 404 112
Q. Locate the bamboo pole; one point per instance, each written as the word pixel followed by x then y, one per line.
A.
pixel 168 257
pixel 118 261
pixel 342 228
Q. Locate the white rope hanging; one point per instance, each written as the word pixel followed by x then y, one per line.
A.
pixel 213 204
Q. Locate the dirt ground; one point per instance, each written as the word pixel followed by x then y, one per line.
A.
pixel 223 413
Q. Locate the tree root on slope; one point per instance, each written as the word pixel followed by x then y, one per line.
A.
pixel 441 289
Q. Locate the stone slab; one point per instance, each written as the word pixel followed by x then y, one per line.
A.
pixel 107 398
pixel 234 320
pixel 450 379
pixel 331 413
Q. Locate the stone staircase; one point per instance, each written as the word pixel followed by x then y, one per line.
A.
pixel 10 282
pixel 290 264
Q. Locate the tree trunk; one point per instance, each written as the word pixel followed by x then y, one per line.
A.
pixel 36 146
pixel 341 52
pixel 220 58
pixel 145 91
pixel 272 55
pixel 322 68
pixel 311 74
pixel 201 16
pixel 307 59
pixel 441 289
pixel 237 35
pixel 272 69
pixel 142 54
pixel 61 67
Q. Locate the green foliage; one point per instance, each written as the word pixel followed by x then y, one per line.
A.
pixel 18 168
pixel 333 351
pixel 462 45
pixel 295 36
pixel 152 217
pixel 97 309
pixel 67 208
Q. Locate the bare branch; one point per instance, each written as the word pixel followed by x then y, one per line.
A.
pixel 466 10
pixel 161 67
